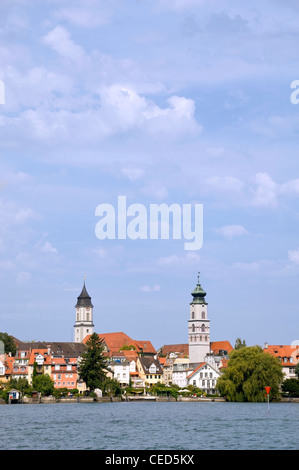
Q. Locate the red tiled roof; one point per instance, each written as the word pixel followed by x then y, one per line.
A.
pixel 181 349
pixel 36 352
pixel 115 341
pixel 217 346
pixel 284 351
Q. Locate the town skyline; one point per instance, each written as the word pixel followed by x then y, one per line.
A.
pixel 161 102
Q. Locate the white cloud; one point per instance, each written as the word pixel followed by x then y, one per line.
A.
pixel 265 192
pixel 49 248
pixel 294 256
pixel 231 231
pixel 83 17
pixel 60 40
pixel 24 214
pixel 133 173
pixel 155 288
pixel 155 189
pixel 100 252
pixel 227 186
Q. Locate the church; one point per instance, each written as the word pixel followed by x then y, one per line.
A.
pixel 199 348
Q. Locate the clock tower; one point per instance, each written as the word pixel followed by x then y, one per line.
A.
pixel 199 326
pixel 84 316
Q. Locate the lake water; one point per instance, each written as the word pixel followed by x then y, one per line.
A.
pixel 150 426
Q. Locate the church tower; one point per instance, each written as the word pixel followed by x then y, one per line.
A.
pixel 199 326
pixel 84 316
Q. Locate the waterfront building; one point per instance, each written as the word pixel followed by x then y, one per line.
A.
pixel 121 371
pixel 64 372
pixel 180 371
pixel 84 316
pixel 40 361
pixel 167 370
pixel 204 377
pixel 150 371
pixel 288 355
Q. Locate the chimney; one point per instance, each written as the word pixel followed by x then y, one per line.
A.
pixel 266 345
pixel 49 349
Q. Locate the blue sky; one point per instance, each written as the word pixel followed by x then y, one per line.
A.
pixel 163 101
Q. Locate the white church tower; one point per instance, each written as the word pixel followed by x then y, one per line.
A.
pixel 84 316
pixel 199 326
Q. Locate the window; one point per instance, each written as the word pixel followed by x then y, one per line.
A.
pixel 193 316
pixel 203 329
pixel 203 315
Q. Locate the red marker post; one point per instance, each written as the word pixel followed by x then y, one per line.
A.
pixel 268 393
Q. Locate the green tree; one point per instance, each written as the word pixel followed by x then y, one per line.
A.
pixel 20 384
pixel 240 344
pixel 93 365
pixel 44 384
pixel 248 372
pixel 291 387
pixel 111 387
pixel 9 344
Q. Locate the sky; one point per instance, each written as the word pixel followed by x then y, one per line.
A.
pixel 183 102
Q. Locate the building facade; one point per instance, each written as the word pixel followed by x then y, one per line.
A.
pixel 204 377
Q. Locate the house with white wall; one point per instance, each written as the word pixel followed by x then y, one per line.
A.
pixel 204 377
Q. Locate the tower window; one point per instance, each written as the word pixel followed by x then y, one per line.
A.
pixel 192 315
pixel 193 328
pixel 203 315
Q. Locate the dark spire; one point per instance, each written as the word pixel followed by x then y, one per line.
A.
pixel 198 294
pixel 84 300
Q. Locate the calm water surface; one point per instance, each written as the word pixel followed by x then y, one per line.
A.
pixel 152 426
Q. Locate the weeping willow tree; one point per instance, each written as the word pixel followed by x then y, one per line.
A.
pixel 248 372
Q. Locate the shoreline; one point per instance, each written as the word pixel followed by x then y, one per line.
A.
pixel 129 399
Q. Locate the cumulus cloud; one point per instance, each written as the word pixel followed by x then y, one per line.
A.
pixel 231 231
pixel 60 40
pixel 294 256
pixel 82 17
pixel 265 193
pixel 49 248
